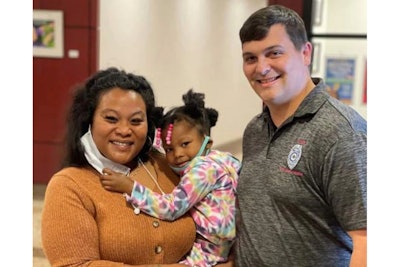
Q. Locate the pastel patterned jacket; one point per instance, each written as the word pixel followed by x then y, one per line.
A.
pixel 207 190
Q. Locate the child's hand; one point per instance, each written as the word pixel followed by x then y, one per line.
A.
pixel 117 182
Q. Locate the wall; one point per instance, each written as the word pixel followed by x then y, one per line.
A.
pixel 53 79
pixel 176 44
pixel 180 45
pixel 347 41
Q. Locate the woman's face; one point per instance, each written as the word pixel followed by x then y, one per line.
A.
pixel 119 126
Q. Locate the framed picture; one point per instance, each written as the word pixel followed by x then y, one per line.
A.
pixel 316 57
pixel 339 78
pixel 48 33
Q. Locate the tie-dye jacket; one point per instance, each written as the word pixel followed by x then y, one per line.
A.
pixel 207 190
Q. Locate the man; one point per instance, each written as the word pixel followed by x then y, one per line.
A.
pixel 302 188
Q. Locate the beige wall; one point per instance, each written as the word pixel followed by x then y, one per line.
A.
pixel 180 44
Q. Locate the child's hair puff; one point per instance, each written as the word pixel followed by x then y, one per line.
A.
pixel 193 111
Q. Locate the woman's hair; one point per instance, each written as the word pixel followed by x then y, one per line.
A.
pixel 257 26
pixel 193 112
pixel 85 101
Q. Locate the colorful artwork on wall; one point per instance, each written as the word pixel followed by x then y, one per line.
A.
pixel 340 78
pixel 47 33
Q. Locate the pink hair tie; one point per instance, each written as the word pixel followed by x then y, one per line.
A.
pixel 169 133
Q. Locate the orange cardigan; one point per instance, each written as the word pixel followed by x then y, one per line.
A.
pixel 84 224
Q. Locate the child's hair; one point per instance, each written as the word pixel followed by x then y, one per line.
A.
pixel 193 112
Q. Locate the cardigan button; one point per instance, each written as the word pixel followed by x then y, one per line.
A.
pixel 156 224
pixel 158 249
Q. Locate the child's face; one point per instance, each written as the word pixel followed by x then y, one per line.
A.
pixel 185 143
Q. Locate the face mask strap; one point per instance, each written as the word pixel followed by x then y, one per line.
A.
pixel 203 146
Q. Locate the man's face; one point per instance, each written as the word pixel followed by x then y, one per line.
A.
pixel 274 68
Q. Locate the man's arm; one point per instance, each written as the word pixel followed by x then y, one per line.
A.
pixel 359 255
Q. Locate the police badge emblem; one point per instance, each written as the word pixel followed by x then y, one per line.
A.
pixel 294 156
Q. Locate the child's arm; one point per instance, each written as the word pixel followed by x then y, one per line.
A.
pixel 117 182
pixel 193 187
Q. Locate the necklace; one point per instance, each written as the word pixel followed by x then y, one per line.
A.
pixel 152 177
pixel 136 210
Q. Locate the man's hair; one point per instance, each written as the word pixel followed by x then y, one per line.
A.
pixel 257 26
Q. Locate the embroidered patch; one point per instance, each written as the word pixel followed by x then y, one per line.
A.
pixel 294 156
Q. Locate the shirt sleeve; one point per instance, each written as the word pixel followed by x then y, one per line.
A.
pixel 194 185
pixel 346 181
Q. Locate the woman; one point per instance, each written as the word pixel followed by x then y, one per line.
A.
pixel 207 185
pixel 110 125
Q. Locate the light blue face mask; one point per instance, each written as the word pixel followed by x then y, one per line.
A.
pixel 178 170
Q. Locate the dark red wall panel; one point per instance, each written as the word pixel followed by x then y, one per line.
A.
pixel 47 158
pixel 76 12
pixel 295 5
pixel 54 79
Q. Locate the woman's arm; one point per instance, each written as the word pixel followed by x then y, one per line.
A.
pixel 69 231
